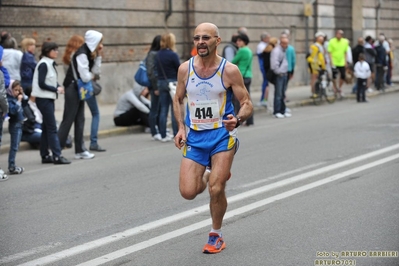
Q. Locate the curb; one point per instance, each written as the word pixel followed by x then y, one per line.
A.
pixel 23 146
pixel 309 102
pixel 137 129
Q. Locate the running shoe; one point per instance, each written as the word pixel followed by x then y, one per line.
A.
pixel 157 137
pixel 47 159
pixel 84 155
pixel 3 176
pixel 61 160
pixel 16 170
pixel 167 139
pixel 215 244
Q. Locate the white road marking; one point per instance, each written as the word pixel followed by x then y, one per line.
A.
pixel 282 175
pixel 183 215
pixel 239 211
pixel 28 253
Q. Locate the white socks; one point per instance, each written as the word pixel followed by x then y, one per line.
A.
pixel 219 231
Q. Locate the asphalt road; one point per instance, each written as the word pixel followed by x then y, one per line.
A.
pixel 320 187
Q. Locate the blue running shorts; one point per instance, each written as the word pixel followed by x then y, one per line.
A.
pixel 202 145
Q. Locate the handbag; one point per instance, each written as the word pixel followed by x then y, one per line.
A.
pixel 85 89
pixel 96 87
pixel 141 75
pixel 271 76
pixel 172 88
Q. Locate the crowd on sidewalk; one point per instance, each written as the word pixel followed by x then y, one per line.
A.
pixel 370 61
pixel 28 90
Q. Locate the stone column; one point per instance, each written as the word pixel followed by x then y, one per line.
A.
pixel 357 20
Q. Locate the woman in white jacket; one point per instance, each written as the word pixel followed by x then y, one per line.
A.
pixel 45 88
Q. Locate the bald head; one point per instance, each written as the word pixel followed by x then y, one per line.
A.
pixel 360 41
pixel 208 27
pixel 242 30
pixel 339 34
pixel 206 39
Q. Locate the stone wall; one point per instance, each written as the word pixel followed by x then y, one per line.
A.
pixel 130 25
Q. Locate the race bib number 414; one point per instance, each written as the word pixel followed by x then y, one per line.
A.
pixel 204 112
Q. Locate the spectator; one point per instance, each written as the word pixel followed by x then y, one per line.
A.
pixel 32 127
pixel 152 73
pixel 316 61
pixel 75 42
pixel 230 50
pixel 291 59
pixel 16 114
pixel 362 73
pixel 45 88
pixel 3 112
pixel 291 56
pixel 266 65
pixel 6 76
pixel 133 108
pixel 12 58
pixel 193 51
pixel 243 59
pixel 337 48
pixel 327 57
pixel 356 51
pixel 385 44
pixel 167 64
pixel 370 54
pixel 380 63
pixel 390 63
pixel 28 63
pixel 279 65
pixel 86 62
pixel 264 40
pixel 4 36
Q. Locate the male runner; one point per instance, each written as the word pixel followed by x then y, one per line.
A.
pixel 207 133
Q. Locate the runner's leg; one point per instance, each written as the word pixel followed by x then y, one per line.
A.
pixel 221 164
pixel 193 178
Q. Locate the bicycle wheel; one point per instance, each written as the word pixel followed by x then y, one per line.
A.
pixel 317 100
pixel 329 94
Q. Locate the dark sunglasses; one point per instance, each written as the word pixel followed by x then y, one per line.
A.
pixel 203 37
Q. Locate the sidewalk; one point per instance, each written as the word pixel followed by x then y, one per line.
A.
pixel 298 96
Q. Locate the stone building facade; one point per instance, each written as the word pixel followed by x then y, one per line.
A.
pixel 130 25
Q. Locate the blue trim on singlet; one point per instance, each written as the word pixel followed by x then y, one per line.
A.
pixel 221 74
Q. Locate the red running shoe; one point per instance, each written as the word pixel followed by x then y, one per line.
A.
pixel 215 244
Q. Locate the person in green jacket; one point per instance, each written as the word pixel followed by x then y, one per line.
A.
pixel 243 59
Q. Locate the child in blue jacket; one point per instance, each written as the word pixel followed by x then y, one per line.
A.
pixel 15 96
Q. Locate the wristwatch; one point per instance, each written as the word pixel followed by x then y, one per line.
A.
pixel 238 121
